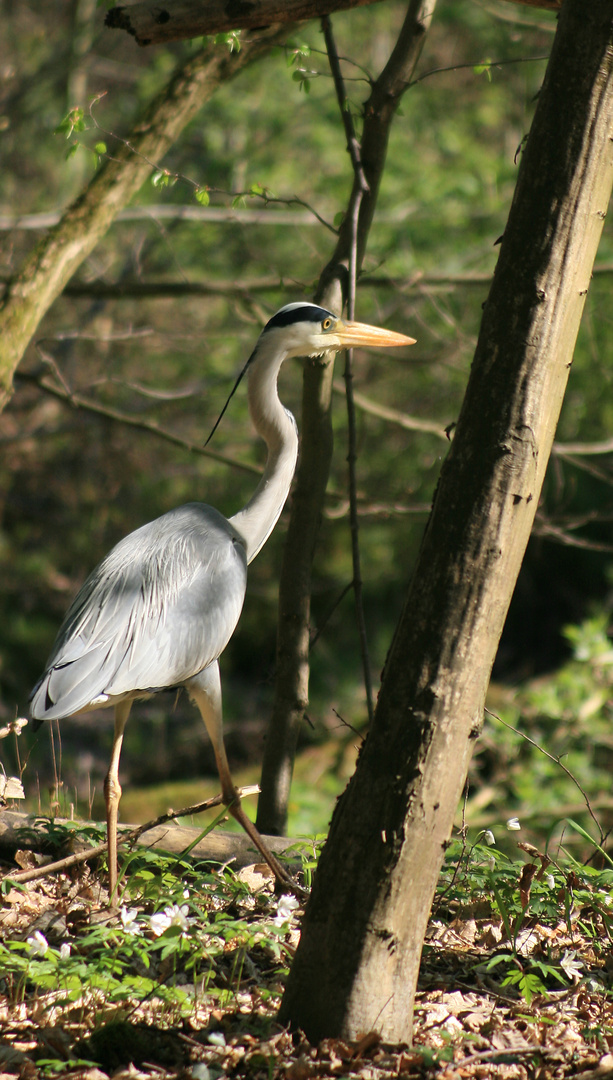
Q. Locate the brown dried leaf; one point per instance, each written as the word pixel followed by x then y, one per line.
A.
pixel 525 883
pixel 301 1069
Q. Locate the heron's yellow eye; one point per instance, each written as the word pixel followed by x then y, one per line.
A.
pixel 326 324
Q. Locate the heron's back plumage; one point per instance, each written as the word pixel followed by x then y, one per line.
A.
pixel 157 610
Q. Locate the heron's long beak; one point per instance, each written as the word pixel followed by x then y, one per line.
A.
pixel 356 333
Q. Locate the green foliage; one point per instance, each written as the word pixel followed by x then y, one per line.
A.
pixel 556 777
pixel 230 39
pixel 548 921
pixel 183 933
pixel 74 121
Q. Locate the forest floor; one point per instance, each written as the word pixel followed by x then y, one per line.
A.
pixel 185 978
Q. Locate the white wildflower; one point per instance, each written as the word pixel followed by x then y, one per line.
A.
pixel 64 950
pixel 129 920
pixel 171 916
pixel 159 922
pixel 571 967
pixel 178 916
pixel 489 838
pixel 513 824
pixel 285 909
pixel 200 1071
pixel 551 881
pixel 15 727
pixel 11 787
pixel 491 863
pixel 37 944
pixel 217 1038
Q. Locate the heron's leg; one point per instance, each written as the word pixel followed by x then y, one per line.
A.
pixel 205 692
pixel 112 792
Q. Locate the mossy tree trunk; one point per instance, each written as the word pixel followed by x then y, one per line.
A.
pixel 357 964
pixel 30 293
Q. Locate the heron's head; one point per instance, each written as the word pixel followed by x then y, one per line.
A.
pixel 304 329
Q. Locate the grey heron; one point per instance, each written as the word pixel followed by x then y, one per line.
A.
pixel 159 610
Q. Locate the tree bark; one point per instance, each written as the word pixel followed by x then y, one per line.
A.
pixel 153 22
pixel 357 964
pixel 175 20
pixel 293 632
pixel 44 274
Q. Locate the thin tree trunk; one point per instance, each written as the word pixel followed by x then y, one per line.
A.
pixel 292 678
pixel 357 964
pixel 46 271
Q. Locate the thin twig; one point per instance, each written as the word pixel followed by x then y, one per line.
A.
pixel 394 416
pixel 439 897
pixel 76 399
pixel 123 838
pixel 315 636
pixel 361 189
pixel 556 761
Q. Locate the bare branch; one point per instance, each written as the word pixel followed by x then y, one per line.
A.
pixel 587 449
pixel 394 416
pixel 152 22
pixel 172 212
pixel 150 426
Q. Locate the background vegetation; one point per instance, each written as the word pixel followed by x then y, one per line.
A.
pixel 75 479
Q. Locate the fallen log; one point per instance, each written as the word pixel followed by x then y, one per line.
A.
pixel 31 832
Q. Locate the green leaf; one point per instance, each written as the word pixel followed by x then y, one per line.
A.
pixel 231 39
pixel 498 959
pixel 73 121
pixel 582 832
pixel 161 179
pixel 484 69
pixel 100 148
pixel 202 196
pixel 297 52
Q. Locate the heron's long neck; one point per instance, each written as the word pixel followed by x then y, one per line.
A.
pixel 277 427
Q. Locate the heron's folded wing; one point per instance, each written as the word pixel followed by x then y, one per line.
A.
pixel 158 609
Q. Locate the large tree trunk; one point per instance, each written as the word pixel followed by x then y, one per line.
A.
pixel 29 294
pixel 357 964
pixel 293 632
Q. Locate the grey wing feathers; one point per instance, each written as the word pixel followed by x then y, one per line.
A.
pixel 158 609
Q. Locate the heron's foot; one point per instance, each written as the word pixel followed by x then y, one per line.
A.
pixel 284 878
